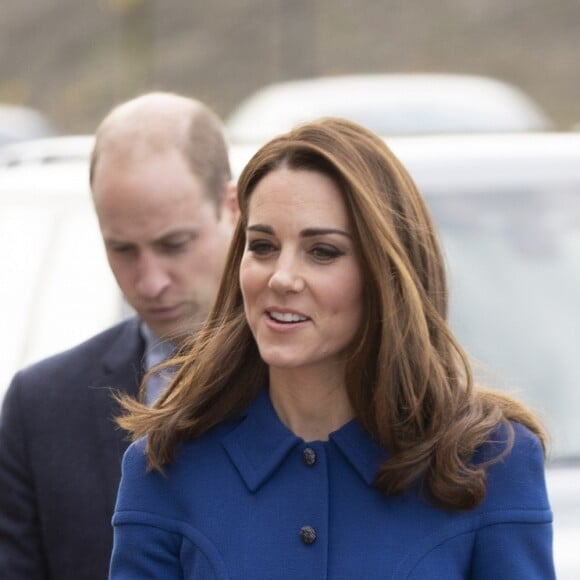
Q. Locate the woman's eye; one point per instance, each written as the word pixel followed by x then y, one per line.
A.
pixel 261 247
pixel 325 253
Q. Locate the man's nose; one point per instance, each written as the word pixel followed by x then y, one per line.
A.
pixel 152 276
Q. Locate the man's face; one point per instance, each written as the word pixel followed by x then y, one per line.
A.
pixel 166 241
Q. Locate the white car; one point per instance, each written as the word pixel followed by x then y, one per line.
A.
pixel 56 287
pixel 508 212
pixel 508 209
pixel 389 104
pixel 18 123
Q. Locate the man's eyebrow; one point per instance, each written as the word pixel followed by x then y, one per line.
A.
pixel 190 233
pixel 115 241
pixel 306 233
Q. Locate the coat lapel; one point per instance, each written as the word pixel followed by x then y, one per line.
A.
pixel 121 370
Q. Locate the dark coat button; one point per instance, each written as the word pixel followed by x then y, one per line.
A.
pixel 308 535
pixel 309 456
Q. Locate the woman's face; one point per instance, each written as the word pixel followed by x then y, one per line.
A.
pixel 299 275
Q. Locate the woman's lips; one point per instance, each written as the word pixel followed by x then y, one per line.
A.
pixel 279 319
pixel 287 317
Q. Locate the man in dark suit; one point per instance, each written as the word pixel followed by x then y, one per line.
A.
pixel 166 207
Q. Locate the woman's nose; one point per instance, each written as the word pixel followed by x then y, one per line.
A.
pixel 286 277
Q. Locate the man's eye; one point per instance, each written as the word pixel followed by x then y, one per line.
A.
pixel 174 246
pixel 120 249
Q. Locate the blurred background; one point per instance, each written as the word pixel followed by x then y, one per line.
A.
pixel 72 60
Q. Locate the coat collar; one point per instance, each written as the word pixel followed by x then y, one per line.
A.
pixel 364 454
pixel 260 442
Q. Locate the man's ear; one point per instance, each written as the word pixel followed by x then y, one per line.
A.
pixel 230 201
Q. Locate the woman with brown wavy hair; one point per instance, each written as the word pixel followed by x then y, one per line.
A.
pixel 324 422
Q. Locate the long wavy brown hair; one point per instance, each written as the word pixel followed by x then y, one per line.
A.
pixel 408 380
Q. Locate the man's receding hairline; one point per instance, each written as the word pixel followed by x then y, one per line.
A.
pixel 159 124
pixel 170 118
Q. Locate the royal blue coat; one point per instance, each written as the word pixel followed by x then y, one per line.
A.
pixel 252 500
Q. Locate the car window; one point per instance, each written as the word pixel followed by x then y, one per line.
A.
pixel 514 264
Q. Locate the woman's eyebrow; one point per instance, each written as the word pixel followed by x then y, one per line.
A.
pixel 261 228
pixel 309 232
pixel 306 233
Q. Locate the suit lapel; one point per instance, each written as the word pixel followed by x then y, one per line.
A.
pixel 121 371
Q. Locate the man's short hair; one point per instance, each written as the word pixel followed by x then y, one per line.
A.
pixel 163 120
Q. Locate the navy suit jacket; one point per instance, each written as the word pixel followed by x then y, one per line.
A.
pixel 60 458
